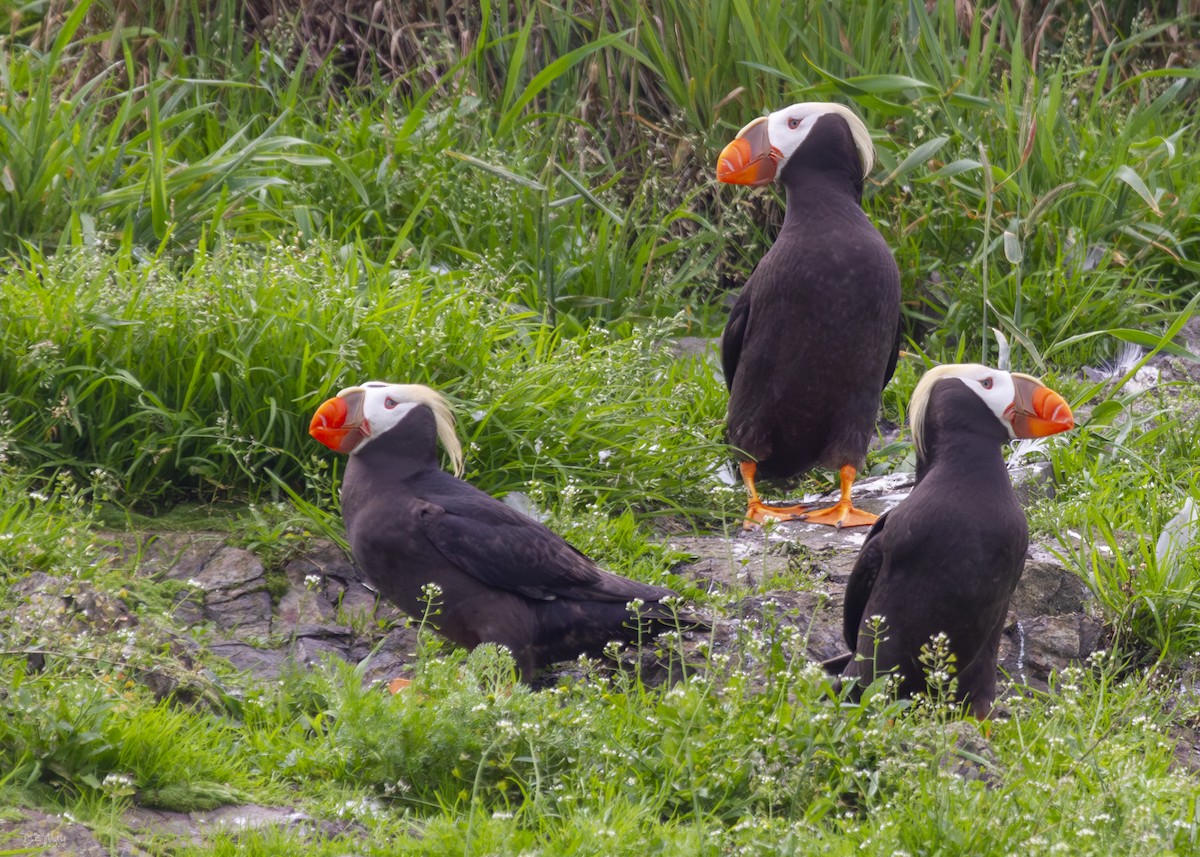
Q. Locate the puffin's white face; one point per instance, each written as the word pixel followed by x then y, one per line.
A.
pixel 994 386
pixel 384 405
pixel 788 128
pixel 1021 403
pixel 761 149
pixel 356 415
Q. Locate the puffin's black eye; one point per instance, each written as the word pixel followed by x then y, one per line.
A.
pixel 986 383
pixel 390 403
pixel 793 123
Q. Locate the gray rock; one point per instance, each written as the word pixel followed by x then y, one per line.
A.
pixel 183 554
pixel 323 558
pixel 1033 482
pixel 695 346
pixel 1046 588
pixel 246 617
pixel 1033 648
pixel 971 757
pixel 228 573
pixel 392 657
pixel 816 616
pixel 265 663
pixel 301 606
pixel 68 604
pixel 56 836
pixel 360 605
pixel 195 827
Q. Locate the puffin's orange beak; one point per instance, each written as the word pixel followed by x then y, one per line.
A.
pixel 749 159
pixel 1038 411
pixel 338 422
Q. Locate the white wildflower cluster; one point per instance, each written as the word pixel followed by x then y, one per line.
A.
pixel 400 787
pixel 359 808
pixel 117 785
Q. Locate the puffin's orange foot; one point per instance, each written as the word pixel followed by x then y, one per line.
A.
pixel 840 515
pixel 759 513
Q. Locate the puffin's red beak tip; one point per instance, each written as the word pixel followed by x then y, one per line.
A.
pixel 1044 412
pixel 748 158
pixel 328 425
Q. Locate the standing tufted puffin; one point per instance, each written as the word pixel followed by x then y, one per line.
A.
pixel 946 560
pixel 813 338
pixel 503 577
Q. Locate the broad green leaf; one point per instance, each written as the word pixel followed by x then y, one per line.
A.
pixel 876 83
pixel 1012 247
pixel 1137 337
pixel 954 168
pixel 548 75
pixel 774 72
pixel 515 62
pixel 1105 412
pixel 587 194
pixel 496 170
pixel 917 156
pixel 1126 174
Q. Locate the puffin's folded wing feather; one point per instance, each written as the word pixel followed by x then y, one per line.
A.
pixel 508 550
pixel 734 335
pixel 894 359
pixel 862 581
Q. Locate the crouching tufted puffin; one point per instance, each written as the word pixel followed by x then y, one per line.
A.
pixel 946 560
pixel 812 339
pixel 503 577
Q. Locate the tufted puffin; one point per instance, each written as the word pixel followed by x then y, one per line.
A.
pixel 813 337
pixel 946 560
pixel 503 577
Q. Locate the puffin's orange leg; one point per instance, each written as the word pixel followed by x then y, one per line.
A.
pixel 842 513
pixel 757 512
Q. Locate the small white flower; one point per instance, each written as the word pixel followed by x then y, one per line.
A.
pixel 312 580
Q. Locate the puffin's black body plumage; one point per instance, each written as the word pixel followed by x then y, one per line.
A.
pixel 947 559
pixel 503 577
pixel 813 337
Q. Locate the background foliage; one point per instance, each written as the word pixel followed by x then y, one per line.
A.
pixel 555 159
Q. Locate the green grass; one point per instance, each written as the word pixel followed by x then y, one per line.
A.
pixel 245 348
pixel 204 234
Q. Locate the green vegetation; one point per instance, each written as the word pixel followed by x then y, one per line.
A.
pixel 211 219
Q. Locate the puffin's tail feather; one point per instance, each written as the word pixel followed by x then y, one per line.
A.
pixel 662 618
pixel 836 665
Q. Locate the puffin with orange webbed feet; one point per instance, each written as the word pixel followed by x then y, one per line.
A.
pixel 813 337
pixel 501 576
pixel 947 559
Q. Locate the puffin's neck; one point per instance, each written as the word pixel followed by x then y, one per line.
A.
pixel 818 193
pixel 407 448
pixel 962 453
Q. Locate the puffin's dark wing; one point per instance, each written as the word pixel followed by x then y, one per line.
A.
pixel 891 367
pixel 735 335
pixel 505 549
pixel 862 580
